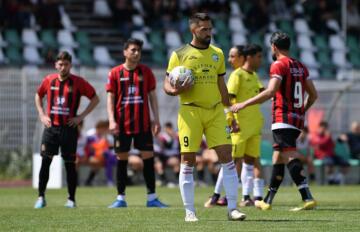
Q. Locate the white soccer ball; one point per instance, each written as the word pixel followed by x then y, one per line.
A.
pixel 179 75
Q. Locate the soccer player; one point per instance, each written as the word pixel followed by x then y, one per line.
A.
pixel 236 60
pixel 202 112
pixel 63 91
pixel 131 87
pixel 287 86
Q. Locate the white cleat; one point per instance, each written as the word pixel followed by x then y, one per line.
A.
pixel 70 204
pixel 191 217
pixel 236 215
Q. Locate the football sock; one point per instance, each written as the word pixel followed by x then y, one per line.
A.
pixel 276 178
pixel 258 188
pixel 230 181
pixel 121 176
pixel 44 175
pixel 219 182
pixel 121 197
pixel 247 177
pixel 151 196
pixel 149 175
pixel 295 168
pixel 71 177
pixel 201 175
pixel 186 184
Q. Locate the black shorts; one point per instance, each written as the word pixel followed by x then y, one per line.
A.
pixel 142 142
pixel 63 137
pixel 285 139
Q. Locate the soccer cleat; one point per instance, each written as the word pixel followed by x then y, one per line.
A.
pixel 222 201
pixel 236 215
pixel 70 204
pixel 308 205
pixel 262 205
pixel 156 203
pixel 246 203
pixel 40 203
pixel 211 202
pixel 191 217
pixel 118 204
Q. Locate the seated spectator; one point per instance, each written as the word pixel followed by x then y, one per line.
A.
pixel 303 146
pixel 352 138
pixel 324 147
pixel 169 154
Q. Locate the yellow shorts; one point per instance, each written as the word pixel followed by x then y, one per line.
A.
pixel 195 121
pixel 247 141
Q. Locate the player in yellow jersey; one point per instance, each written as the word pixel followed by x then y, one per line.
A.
pixel 202 112
pixel 236 60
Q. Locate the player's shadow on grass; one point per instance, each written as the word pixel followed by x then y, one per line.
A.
pixel 338 209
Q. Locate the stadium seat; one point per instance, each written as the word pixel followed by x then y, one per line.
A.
pixel 267 37
pixel 301 26
pixel 339 59
pixel 2 57
pixel 286 26
pixel 156 38
pixel 31 55
pixel 86 57
pixel 304 42
pixel 308 58
pixel 65 20
pixel 238 38
pixel 354 58
pixel 13 55
pixel 172 39
pixel 321 42
pixel 101 8
pixel 235 9
pixel 352 43
pixel 83 39
pixel 237 25
pixel 314 73
pixel 29 37
pixel 158 57
pixel 342 150
pixel 3 43
pixel 48 38
pixel 223 41
pixel 65 38
pixel 102 56
pixel 12 37
pixel 266 153
pixel 257 38
pixel 138 21
pixel 142 36
pixel 323 58
pixel 221 27
pixel 327 73
pixel 337 43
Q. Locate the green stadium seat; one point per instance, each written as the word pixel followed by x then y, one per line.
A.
pixel 187 37
pixel 156 38
pixel 327 73
pixel 83 39
pixel 286 26
pixel 257 38
pixel 294 51
pixel 221 27
pixel 14 56
pixel 158 57
pixel 354 58
pixel 12 37
pixel 342 150
pixel 85 57
pixel 266 153
pixel 323 58
pixel 352 43
pixel 320 41
pixel 48 38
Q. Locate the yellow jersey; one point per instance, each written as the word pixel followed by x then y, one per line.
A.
pixel 206 65
pixel 245 85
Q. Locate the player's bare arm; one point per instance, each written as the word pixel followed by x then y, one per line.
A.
pixel 269 92
pixel 113 127
pixel 178 89
pixel 312 94
pixel 44 118
pixel 155 110
pixel 76 120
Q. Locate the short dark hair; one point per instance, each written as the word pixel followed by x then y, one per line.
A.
pixel 168 125
pixel 252 49
pixel 324 124
pixel 135 41
pixel 197 17
pixel 281 40
pixel 240 50
pixel 64 55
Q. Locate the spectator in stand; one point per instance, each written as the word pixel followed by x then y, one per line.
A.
pixel 257 17
pixel 352 138
pixel 16 13
pixel 324 11
pixel 303 146
pixel 353 17
pixel 324 149
pixel 48 14
pixel 123 12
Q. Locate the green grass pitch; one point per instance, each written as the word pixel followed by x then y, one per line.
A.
pixel 338 210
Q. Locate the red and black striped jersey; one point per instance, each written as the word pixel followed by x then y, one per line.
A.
pixel 63 97
pixel 131 89
pixel 288 102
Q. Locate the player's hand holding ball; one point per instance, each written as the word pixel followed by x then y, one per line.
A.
pixel 181 78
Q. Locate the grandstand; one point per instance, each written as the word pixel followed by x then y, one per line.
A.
pixel 93 32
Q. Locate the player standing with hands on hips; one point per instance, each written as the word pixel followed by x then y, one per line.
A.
pixel 63 91
pixel 202 112
pixel 289 80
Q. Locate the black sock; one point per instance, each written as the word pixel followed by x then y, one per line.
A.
pixel 90 178
pixel 295 168
pixel 258 198
pixel 214 177
pixel 276 178
pixel 121 176
pixel 44 175
pixel 201 175
pixel 246 197
pixel 71 177
pixel 149 175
